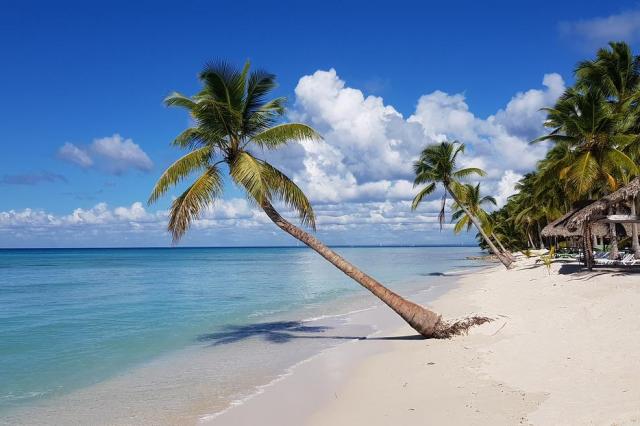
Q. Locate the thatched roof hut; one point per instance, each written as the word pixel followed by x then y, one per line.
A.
pixel 599 209
pixel 558 228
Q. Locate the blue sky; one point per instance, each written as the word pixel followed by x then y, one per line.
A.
pixel 84 132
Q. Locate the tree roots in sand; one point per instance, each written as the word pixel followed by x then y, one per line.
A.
pixel 446 330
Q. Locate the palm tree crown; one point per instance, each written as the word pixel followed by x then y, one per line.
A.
pixel 437 163
pixel 474 202
pixel 232 120
pixel 593 136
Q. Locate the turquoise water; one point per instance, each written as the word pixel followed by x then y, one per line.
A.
pixel 73 318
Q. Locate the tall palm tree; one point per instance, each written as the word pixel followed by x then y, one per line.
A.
pixel 233 120
pixel 616 72
pixel 474 202
pixel 597 134
pixel 437 164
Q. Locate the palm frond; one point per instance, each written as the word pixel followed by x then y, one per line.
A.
pixel 188 206
pixel 280 135
pixel 183 167
pixel 469 171
pixel 423 193
pixel 284 189
pixel 179 100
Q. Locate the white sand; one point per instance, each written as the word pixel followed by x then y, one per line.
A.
pixel 564 349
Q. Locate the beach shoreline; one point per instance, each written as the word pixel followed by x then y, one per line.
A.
pixel 557 352
pixel 202 379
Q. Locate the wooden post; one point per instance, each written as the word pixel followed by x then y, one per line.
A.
pixel 588 247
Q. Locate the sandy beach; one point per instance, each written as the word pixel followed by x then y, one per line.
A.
pixel 562 350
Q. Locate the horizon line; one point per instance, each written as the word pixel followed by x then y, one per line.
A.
pixel 241 247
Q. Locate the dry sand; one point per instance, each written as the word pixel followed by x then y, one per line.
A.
pixel 564 349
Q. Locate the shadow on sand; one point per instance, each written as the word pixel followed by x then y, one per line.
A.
pixel 581 272
pixel 283 332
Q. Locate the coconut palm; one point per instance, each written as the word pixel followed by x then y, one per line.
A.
pixel 596 136
pixel 234 121
pixel 616 72
pixel 437 165
pixel 474 202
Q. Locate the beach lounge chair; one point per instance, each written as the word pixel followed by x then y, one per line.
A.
pixel 602 258
pixel 630 260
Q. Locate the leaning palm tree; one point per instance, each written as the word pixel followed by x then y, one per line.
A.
pixel 437 164
pixel 474 201
pixel 234 120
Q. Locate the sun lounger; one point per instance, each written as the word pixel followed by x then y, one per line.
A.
pixel 630 260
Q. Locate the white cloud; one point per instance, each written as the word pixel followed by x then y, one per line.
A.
pixel 71 153
pixel 596 32
pixel 112 154
pixel 499 142
pixel 359 178
pixel 506 186
pixel 522 116
pixel 228 222
pixel 369 147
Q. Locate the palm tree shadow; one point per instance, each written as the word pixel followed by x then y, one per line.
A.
pixel 283 332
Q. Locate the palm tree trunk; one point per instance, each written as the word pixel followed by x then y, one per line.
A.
pixel 540 235
pixel 504 259
pixel 533 246
pixel 588 247
pixel 614 238
pixel 422 320
pixel 504 250
pixel 635 244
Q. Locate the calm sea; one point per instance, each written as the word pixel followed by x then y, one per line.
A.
pixel 134 326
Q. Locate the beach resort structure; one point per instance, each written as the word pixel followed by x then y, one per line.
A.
pixel 611 217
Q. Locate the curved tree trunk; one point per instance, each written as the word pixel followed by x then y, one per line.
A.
pixel 635 244
pixel 504 259
pixel 533 246
pixel 422 320
pixel 504 250
pixel 540 235
pixel 614 238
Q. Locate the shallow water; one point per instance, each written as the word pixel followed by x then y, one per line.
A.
pixel 169 331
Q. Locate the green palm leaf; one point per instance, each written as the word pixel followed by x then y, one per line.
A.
pixel 188 206
pixel 193 161
pixel 280 135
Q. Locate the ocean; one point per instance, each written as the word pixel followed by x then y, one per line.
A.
pixel 166 331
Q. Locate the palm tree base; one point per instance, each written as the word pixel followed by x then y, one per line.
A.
pixel 445 330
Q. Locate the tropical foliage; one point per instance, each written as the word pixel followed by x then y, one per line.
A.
pixel 437 165
pixel 594 132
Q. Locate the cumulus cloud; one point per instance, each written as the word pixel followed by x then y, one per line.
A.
pixel 226 222
pixel 112 154
pixel 506 186
pixel 369 146
pixel 71 153
pixel 595 32
pixel 32 178
pixel 359 178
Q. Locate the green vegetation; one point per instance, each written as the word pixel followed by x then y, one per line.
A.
pixel 437 165
pixel 547 259
pixel 594 129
